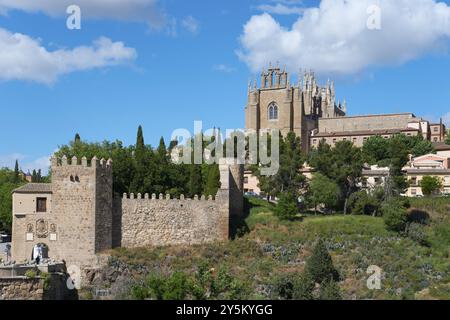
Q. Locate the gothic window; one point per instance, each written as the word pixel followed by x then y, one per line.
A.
pixel 273 112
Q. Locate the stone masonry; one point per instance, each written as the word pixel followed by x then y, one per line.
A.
pixel 82 218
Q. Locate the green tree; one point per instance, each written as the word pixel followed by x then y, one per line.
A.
pixel 447 139
pixel 195 180
pixel 77 138
pixel 16 172
pixel 289 178
pixel 320 264
pixel 364 203
pixel 7 185
pixel 286 208
pixel 343 164
pixel 34 176
pixel 213 180
pixel 431 185
pixel 395 215
pixel 375 149
pixel 323 190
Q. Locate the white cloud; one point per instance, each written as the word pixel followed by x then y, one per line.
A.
pixel 24 58
pixel 190 24
pixel 334 37
pixel 223 68
pixel 25 163
pixel 280 9
pixel 130 10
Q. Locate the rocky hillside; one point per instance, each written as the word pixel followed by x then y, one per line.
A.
pixel 267 256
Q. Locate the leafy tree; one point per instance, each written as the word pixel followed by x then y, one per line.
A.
pixel 395 215
pixel 430 185
pixel 329 290
pixel 394 154
pixel 34 176
pixel 288 179
pixel 7 185
pixel 375 149
pixel 320 265
pixel 343 164
pixel 323 190
pixel 363 203
pixel 447 139
pixel 287 206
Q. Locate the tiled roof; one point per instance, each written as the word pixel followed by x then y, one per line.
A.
pixel 34 188
pixel 441 146
pixel 362 133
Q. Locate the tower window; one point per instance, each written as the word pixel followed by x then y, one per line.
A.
pixel 41 205
pixel 273 111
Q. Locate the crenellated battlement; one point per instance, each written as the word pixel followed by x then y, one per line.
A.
pixel 83 162
pixel 166 197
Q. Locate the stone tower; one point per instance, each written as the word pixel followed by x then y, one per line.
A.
pixel 82 206
pixel 279 105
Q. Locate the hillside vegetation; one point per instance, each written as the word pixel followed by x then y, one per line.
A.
pixel 268 255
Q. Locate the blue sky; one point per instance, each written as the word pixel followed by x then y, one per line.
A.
pixel 186 61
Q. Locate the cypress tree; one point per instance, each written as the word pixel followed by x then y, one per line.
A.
pixel 195 180
pixel 213 180
pixel 137 184
pixel 77 138
pixel 39 175
pixel 140 145
pixel 162 150
pixel 34 176
pixel 320 265
pixel 16 172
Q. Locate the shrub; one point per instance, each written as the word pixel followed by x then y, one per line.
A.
pixel 283 287
pixel 361 203
pixel 395 216
pixel 430 185
pixel 293 286
pixel 416 232
pixel 419 216
pixel 304 287
pixel 329 290
pixel 287 206
pixel 176 287
pixel 30 274
pixel 320 265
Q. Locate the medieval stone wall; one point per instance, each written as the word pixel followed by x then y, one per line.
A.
pixel 21 288
pixel 161 221
pixel 51 287
pixel 140 221
pixel 85 220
